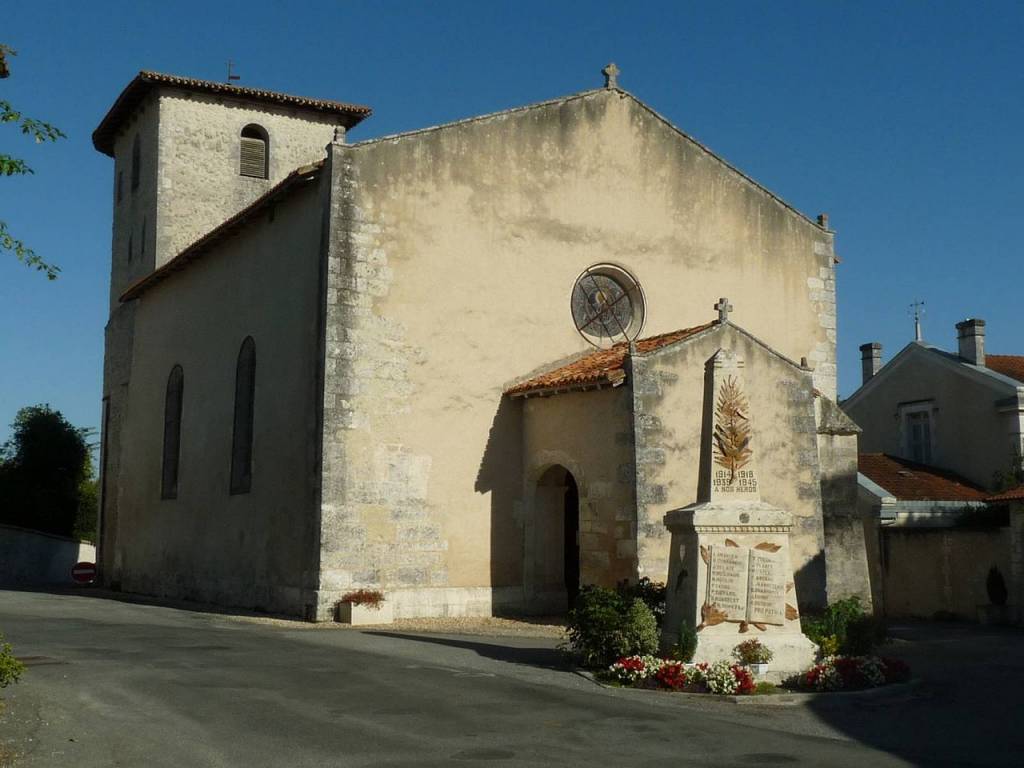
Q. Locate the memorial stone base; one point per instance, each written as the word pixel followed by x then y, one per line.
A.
pixel 730 577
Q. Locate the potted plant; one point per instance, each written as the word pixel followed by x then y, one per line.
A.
pixel 753 655
pixel 364 606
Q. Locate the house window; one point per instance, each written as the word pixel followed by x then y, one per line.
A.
pixel 253 152
pixel 136 165
pixel 917 433
pixel 172 434
pixel 245 396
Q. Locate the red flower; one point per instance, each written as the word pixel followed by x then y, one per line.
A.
pixel 744 678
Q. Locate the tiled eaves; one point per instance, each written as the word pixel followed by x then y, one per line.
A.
pixel 1014 494
pixel 910 481
pixel 200 247
pixel 597 370
pixel 103 137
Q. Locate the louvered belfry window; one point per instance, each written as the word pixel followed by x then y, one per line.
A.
pixel 253 155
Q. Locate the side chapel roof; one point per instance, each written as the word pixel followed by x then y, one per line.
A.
pixel 909 481
pixel 144 82
pixel 604 368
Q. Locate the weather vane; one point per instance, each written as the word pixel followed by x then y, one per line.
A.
pixel 917 309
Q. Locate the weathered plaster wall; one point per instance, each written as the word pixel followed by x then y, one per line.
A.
pixel 256 550
pixel 969 434
pixel 199 183
pixel 591 435
pixel 669 390
pixel 940 570
pixel 453 278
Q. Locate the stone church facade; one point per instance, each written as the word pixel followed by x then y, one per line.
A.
pixel 328 362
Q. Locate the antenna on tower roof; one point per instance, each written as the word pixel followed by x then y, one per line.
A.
pixel 917 309
pixel 231 75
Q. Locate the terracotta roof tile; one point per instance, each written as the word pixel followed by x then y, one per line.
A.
pixel 103 137
pixel 605 367
pixel 198 248
pixel 1014 494
pixel 1008 365
pixel 910 481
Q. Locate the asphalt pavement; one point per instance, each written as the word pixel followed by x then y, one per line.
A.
pixel 113 683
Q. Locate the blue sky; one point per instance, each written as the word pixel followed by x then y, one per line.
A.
pixel 902 120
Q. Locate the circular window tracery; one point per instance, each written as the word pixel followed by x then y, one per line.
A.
pixel 607 305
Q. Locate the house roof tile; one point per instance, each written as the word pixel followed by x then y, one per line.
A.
pixel 1014 494
pixel 909 481
pixel 144 82
pixel 603 368
pixel 1008 365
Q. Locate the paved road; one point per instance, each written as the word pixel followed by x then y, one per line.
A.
pixel 122 684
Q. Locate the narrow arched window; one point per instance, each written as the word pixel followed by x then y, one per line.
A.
pixel 245 397
pixel 254 152
pixel 172 433
pixel 136 163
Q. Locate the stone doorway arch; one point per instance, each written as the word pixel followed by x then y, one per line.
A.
pixel 553 551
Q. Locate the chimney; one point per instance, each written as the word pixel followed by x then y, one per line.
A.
pixel 870 360
pixel 970 335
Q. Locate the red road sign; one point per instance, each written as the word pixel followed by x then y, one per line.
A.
pixel 84 573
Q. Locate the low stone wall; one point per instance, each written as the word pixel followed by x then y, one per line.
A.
pixel 32 558
pixel 940 572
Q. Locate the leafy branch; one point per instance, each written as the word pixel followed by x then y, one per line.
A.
pixel 40 132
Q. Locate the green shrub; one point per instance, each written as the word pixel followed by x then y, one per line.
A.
pixel 651 592
pixel 844 628
pixel 605 626
pixel 687 645
pixel 10 667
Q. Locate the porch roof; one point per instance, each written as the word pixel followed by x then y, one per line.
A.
pixel 597 370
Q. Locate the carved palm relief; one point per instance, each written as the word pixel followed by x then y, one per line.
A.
pixel 732 428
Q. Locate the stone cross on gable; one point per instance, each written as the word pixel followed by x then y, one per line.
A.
pixel 724 308
pixel 611 76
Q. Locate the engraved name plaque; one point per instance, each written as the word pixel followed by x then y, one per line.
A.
pixel 747 584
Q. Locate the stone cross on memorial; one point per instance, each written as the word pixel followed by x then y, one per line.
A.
pixel 724 308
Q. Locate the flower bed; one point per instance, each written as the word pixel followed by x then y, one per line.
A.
pixel 722 677
pixel 725 678
pixel 850 673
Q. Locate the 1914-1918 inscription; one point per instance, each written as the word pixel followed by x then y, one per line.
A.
pixel 747 584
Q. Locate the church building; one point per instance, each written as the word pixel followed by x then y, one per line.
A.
pixel 463 365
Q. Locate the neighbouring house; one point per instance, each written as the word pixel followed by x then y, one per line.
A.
pixel 334 365
pixel 941 433
pixel 961 411
pixel 932 538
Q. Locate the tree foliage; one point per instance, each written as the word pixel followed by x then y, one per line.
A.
pixel 46 475
pixel 40 132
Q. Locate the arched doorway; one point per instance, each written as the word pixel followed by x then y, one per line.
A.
pixel 557 528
